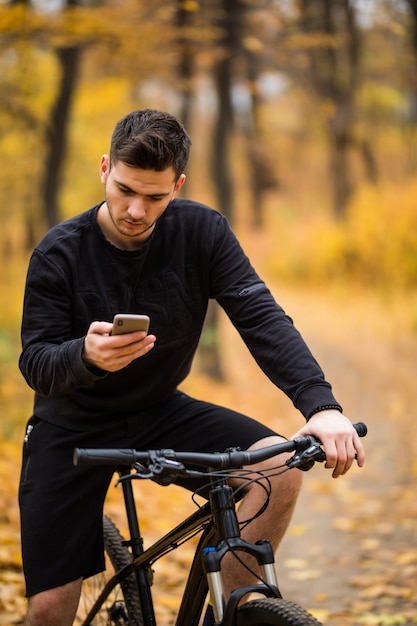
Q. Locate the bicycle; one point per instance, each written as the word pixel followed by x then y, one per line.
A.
pixel 125 597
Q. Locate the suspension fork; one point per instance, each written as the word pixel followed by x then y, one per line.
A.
pixel 229 539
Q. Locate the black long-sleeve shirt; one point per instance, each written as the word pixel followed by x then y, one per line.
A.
pixel 76 277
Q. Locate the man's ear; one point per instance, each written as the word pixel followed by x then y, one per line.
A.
pixel 104 168
pixel 179 183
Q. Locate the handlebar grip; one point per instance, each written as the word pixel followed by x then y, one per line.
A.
pixel 86 456
pixel 361 429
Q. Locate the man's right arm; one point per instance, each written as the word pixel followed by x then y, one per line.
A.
pixel 53 362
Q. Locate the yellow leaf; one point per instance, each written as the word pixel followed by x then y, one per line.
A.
pixel 382 620
pixel 321 597
pixel 407 558
pixel 307 574
pixel 322 615
pixel 296 563
pixel 298 530
pixel 383 591
pixel 370 544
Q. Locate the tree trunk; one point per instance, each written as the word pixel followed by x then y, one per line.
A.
pixel 208 351
pixel 57 134
pixel 230 44
pixel 263 171
pixel 334 76
pixel 221 163
pixel 185 70
pixel 413 9
pixel 230 24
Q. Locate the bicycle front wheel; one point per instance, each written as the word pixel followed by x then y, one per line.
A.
pixel 122 606
pixel 274 612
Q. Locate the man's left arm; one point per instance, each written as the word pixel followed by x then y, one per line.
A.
pixel 281 351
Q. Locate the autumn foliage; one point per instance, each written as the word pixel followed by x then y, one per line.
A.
pixel 304 133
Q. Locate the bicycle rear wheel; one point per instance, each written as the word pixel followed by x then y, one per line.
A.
pixel 122 607
pixel 274 612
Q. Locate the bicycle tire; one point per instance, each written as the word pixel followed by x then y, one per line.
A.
pixel 122 607
pixel 273 612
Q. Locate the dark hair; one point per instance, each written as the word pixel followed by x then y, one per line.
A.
pixel 150 140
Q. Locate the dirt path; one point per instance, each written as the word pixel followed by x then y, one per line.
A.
pixel 351 553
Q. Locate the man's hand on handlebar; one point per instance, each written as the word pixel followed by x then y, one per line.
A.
pixel 340 440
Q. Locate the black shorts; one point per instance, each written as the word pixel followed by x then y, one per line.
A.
pixel 62 505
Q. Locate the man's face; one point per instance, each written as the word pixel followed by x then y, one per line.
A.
pixel 135 199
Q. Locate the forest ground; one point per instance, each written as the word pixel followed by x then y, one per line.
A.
pixel 350 555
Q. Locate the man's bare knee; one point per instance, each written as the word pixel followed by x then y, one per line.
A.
pixel 54 607
pixel 287 483
pixel 281 491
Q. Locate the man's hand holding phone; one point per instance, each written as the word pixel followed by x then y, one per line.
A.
pixel 111 347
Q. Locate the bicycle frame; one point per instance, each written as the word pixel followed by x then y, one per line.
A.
pixel 196 587
pixel 205 564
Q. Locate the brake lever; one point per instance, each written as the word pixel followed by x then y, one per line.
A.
pixel 141 472
pixel 305 459
pixel 160 469
pixel 165 471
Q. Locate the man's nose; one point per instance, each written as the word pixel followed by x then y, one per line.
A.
pixel 136 208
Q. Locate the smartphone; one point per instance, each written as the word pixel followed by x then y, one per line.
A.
pixel 129 323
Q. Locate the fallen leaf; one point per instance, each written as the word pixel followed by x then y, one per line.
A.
pixel 296 563
pixel 322 615
pixel 298 530
pixel 307 574
pixel 382 620
pixel 390 591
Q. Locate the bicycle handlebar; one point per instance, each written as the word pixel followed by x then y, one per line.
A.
pixel 232 459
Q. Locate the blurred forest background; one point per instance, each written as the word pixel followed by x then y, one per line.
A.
pixel 303 116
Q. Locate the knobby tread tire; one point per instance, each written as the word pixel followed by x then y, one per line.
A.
pixel 274 612
pixel 125 595
pixel 120 556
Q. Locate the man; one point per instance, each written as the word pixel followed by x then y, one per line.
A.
pixel 143 250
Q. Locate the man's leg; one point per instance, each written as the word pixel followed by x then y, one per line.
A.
pixel 61 521
pixel 273 522
pixel 54 607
